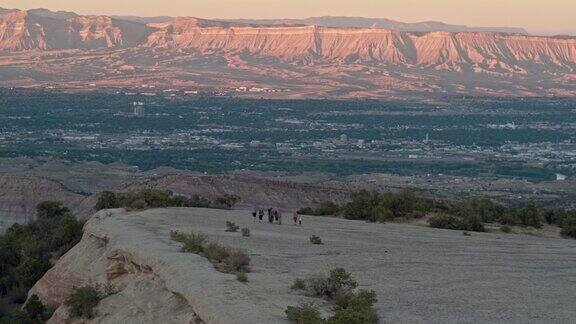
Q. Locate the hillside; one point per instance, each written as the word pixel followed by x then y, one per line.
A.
pixel 420 275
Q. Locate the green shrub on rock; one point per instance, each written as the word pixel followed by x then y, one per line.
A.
pixel 304 314
pixel 231 227
pixel 82 302
pixel 460 223
pixel 315 239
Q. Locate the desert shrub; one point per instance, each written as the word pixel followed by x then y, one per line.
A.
pixel 340 279
pixel 304 314
pixel 355 307
pixel 34 308
pixel 375 207
pixel 231 227
pixel 451 222
pixel 307 211
pixel 178 236
pixel 18 316
pixel 191 243
pixel 299 284
pixel 482 208
pixel 337 282
pixel 236 261
pixel 242 277
pixel 82 302
pixel 471 223
pixel 315 239
pixel 107 200
pixel 227 201
pixel 155 198
pixel 506 229
pixel 526 216
pixel 350 306
pixel 224 259
pixel 569 227
pixel 327 208
pixel 246 232
pixel 138 204
pixel 354 316
pixel 51 209
pixel 215 252
pixel 444 221
pixel 361 205
pixel 26 251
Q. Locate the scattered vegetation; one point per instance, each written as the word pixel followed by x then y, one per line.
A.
pixel 350 306
pixel 231 227
pixel 35 309
pixel 375 207
pixel 506 229
pixel 315 239
pixel 246 232
pixel 326 208
pixel 306 313
pixel 154 198
pixel 451 222
pixel 467 215
pixel 569 227
pixel 26 253
pixel 299 284
pixel 82 302
pixel 191 243
pixel 242 277
pixel 224 259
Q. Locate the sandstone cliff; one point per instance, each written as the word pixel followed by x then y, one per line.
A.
pixel 37 30
pixel 476 52
pixel 40 47
pixel 420 275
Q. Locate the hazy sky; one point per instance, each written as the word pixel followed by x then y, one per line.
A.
pixel 538 16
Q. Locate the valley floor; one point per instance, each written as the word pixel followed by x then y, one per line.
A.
pixel 421 275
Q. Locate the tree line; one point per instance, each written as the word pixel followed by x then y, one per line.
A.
pixel 467 215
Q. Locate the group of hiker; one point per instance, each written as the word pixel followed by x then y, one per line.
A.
pixel 274 216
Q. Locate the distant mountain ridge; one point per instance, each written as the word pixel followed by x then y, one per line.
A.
pixel 40 29
pixel 361 22
pixel 342 58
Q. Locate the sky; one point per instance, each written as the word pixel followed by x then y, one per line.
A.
pixel 544 17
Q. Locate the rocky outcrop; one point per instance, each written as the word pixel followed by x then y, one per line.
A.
pixel 41 30
pixel 474 52
pixel 419 274
pixel 134 292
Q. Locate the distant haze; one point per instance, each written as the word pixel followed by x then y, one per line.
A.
pixel 537 16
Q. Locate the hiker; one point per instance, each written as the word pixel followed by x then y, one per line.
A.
pixel 300 220
pixel 261 214
pixel 254 214
pixel 295 216
pixel 276 215
pixel 279 217
pixel 270 216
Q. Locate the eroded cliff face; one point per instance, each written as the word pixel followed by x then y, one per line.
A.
pixel 23 30
pixel 133 283
pixel 443 50
pixel 41 47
